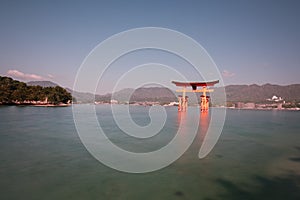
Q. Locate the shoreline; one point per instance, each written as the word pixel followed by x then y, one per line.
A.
pixel 271 109
pixel 51 105
pixel 70 104
pixel 35 105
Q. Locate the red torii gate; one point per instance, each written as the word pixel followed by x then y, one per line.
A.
pixel 183 100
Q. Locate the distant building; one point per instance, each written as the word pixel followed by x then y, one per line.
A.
pixel 242 105
pixel 113 101
pixel 174 103
pixel 249 105
pixel 239 105
pixel 275 98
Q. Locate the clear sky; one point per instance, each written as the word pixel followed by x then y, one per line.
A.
pixel 250 41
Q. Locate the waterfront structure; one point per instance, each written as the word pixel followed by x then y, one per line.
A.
pixel 183 99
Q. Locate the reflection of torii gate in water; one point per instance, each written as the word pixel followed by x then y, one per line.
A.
pixel 183 100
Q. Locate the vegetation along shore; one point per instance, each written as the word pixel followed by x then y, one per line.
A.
pixel 14 92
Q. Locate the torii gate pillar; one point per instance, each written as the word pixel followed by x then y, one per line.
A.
pixel 204 103
pixel 182 103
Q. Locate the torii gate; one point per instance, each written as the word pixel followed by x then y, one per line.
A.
pixel 183 100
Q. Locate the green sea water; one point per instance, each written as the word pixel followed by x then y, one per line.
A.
pixel 42 157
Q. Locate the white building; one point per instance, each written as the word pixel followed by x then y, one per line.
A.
pixel 113 101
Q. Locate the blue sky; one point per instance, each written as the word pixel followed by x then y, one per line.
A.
pixel 250 41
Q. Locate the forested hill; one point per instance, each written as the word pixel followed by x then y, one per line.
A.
pixel 259 93
pixel 16 92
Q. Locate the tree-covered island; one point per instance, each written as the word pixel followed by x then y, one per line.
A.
pixel 13 92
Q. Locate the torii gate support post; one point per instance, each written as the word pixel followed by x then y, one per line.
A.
pixel 183 100
pixel 204 104
pixel 179 102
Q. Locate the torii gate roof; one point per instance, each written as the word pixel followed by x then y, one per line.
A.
pixel 195 84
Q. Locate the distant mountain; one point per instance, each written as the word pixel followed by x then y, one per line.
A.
pixel 234 93
pixel 154 94
pixel 159 94
pixel 122 95
pixel 42 83
pixel 128 94
pixel 83 97
pixel 257 94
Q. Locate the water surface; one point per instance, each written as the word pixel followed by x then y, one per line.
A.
pixel 42 157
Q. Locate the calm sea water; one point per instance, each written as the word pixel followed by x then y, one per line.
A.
pixel 42 157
